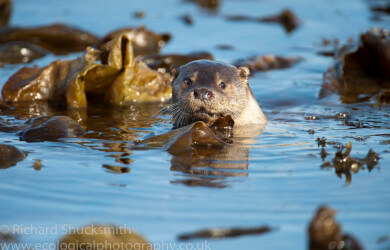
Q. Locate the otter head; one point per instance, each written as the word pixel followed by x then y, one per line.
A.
pixel 205 90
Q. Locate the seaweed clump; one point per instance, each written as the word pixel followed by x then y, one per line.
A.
pixel 325 233
pixel 110 74
pixel 344 164
pixel 361 70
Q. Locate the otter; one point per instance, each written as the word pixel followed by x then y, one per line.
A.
pixel 205 90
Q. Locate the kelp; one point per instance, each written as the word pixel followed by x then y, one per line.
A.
pixel 5 12
pixel 267 62
pixel 163 63
pixel 220 233
pixel 384 8
pixel 286 18
pixel 10 155
pixel 43 128
pixel 23 44
pixel 196 135
pixel 50 128
pixel 57 38
pixel 326 233
pixel 344 164
pixel 97 236
pixel 187 19
pixel 139 14
pixel 111 74
pixel 143 41
pixel 20 52
pixel 37 165
pixel 204 152
pixel 361 69
pixel 7 238
pixel 211 5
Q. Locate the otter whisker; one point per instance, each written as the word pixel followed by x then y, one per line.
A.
pixel 180 114
pixel 199 94
pixel 166 110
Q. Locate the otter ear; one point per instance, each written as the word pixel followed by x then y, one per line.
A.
pixel 243 73
pixel 174 71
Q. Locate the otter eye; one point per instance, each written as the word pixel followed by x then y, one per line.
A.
pixel 222 85
pixel 187 81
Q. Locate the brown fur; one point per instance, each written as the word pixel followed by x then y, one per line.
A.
pixel 199 95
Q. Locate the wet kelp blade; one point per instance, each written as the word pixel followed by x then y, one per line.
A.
pixel 165 62
pixel 219 233
pixel 286 18
pixel 210 5
pixel 361 69
pixel 325 232
pixel 5 12
pixel 50 128
pixel 58 38
pixel 112 74
pixel 24 44
pixel 99 236
pixel 267 62
pixel 198 134
pixel 144 41
pixel 44 128
pixel 205 154
pixel 20 52
pixel 10 155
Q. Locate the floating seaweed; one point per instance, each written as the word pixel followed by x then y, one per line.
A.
pixel 325 233
pixel 144 42
pixel 10 155
pixel 48 128
pixel 207 153
pixel 20 52
pixel 267 62
pixel 96 236
pixel 58 38
pixel 344 164
pixel 211 5
pixel 220 233
pixel 5 12
pixel 163 63
pixel 361 69
pixel 286 18
pixel 117 79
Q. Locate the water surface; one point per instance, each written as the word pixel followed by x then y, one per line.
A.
pixel 282 184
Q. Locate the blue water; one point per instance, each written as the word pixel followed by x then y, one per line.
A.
pixel 284 183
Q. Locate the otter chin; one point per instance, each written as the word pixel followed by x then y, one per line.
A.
pixel 206 90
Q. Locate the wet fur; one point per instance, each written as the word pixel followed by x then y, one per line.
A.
pixel 233 100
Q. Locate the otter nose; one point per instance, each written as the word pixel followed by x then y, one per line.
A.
pixel 203 94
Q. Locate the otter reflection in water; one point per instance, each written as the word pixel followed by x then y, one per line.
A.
pixel 211 165
pixel 207 155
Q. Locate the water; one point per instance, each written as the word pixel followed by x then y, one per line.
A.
pixel 283 184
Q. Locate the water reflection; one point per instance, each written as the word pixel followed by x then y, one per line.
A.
pixel 211 167
pixel 101 122
pixel 206 157
pixel 117 129
pixel 109 129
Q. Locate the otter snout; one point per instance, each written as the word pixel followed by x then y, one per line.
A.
pixel 203 94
